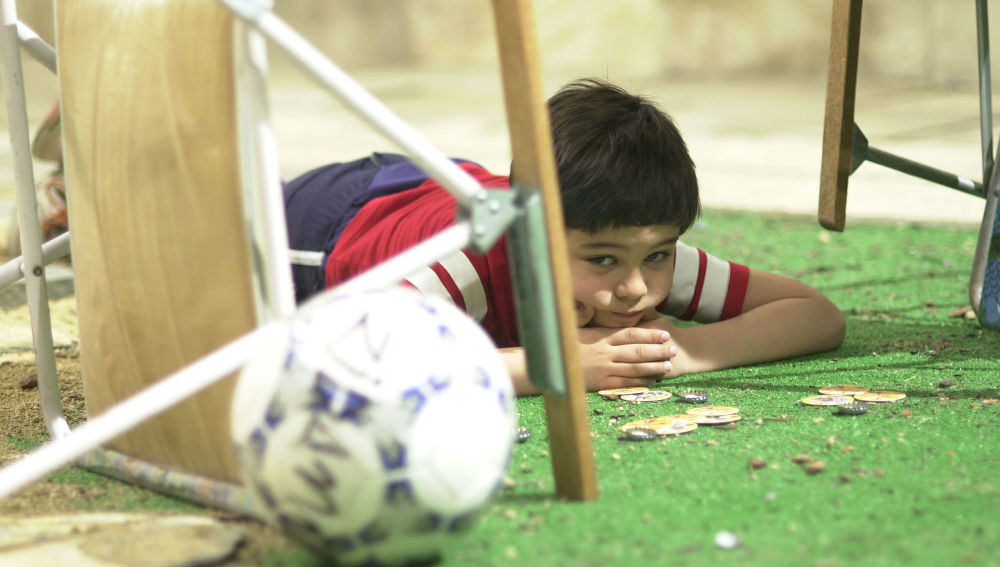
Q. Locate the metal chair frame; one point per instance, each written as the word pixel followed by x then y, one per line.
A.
pixel 845 148
pixel 524 213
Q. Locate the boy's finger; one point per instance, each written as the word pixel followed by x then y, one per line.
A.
pixel 640 353
pixel 634 335
pixel 643 353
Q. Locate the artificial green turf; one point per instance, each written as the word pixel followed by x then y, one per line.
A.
pixel 913 483
pixel 910 483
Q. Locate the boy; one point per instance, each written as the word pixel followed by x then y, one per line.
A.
pixel 629 192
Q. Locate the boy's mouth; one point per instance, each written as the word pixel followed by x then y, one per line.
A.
pixel 631 317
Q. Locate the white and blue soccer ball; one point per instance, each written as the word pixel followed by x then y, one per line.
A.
pixel 375 426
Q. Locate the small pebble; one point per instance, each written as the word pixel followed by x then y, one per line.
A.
pixel 815 467
pixel 727 540
pixel 29 381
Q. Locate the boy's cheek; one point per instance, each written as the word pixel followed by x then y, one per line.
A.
pixel 663 290
pixel 584 314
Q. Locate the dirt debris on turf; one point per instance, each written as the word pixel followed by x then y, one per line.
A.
pixel 21 419
pixel 20 406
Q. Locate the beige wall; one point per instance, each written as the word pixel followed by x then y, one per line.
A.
pixel 927 40
pixel 931 40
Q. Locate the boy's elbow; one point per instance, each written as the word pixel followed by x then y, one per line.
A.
pixel 839 331
pixel 834 325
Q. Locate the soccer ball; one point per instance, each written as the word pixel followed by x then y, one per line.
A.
pixel 374 426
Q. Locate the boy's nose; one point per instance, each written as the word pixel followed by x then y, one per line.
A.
pixel 632 288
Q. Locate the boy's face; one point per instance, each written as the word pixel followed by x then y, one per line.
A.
pixel 621 274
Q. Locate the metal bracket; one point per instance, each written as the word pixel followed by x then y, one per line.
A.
pixel 862 152
pixel 518 212
pixel 493 210
pixel 534 294
pixel 249 9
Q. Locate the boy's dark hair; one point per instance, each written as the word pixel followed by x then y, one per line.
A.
pixel 620 159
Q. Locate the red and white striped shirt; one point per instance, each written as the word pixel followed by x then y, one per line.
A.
pixel 705 288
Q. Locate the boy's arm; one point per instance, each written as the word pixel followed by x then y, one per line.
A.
pixel 781 318
pixel 610 358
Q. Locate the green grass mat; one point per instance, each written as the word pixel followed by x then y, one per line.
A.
pixel 912 483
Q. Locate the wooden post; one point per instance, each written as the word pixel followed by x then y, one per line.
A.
pixel 838 125
pixel 531 145
pixel 159 245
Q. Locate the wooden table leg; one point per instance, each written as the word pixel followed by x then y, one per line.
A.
pixel 531 144
pixel 838 125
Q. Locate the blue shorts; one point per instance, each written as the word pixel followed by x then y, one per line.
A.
pixel 319 205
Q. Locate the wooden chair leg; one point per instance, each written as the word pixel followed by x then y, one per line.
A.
pixel 531 144
pixel 838 125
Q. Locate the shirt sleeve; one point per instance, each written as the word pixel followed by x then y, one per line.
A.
pixel 389 225
pixel 457 277
pixel 705 289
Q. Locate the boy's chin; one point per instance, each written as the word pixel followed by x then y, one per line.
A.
pixel 614 322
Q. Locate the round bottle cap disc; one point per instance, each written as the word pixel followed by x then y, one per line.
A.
pixel 852 408
pixel 657 396
pixel 827 400
pixel 663 425
pixel 718 419
pixel 641 434
pixel 613 393
pixel 714 410
pixel 522 434
pixel 846 390
pixel 678 427
pixel 880 396
pixel 693 396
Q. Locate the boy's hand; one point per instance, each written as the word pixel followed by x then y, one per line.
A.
pixel 680 362
pixel 621 358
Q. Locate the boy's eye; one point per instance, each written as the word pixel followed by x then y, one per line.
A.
pixel 657 257
pixel 602 260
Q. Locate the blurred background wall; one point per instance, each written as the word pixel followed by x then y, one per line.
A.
pixel 745 80
pixel 925 40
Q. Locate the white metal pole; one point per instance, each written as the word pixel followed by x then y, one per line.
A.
pixel 395 269
pixel 261 178
pixel 991 182
pixel 52 250
pixel 981 257
pixel 324 71
pixel 36 46
pixel 27 216
pixel 213 367
pixel 985 89
pixel 125 415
